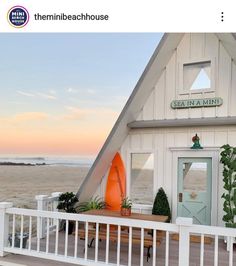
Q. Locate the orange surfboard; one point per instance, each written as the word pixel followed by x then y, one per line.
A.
pixel 116 184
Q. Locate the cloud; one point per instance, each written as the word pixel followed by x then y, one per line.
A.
pixel 81 90
pixel 30 116
pixel 72 108
pixel 26 93
pixel 25 117
pixel 91 91
pixel 72 90
pixel 75 113
pixel 47 96
pixel 52 92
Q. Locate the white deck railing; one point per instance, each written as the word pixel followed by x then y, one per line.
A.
pixel 71 249
pixel 47 203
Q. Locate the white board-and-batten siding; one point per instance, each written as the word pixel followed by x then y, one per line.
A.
pixel 194 47
pixel 161 141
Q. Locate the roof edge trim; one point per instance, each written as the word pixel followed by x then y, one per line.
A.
pixel 154 55
pixel 208 121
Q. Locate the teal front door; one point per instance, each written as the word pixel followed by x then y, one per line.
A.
pixel 194 189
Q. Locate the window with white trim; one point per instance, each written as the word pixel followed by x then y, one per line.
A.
pixel 141 183
pixel 197 76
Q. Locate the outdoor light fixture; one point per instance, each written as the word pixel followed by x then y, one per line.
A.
pixel 196 143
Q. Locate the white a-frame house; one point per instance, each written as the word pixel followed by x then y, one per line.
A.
pixel 187 88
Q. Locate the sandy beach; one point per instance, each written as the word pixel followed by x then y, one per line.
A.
pixel 20 184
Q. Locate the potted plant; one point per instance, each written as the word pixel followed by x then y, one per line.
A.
pixel 126 205
pixel 96 203
pixel 92 204
pixel 161 207
pixel 67 203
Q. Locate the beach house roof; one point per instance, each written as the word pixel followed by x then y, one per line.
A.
pixel 135 103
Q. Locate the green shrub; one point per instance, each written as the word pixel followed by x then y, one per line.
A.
pixel 67 202
pixel 161 205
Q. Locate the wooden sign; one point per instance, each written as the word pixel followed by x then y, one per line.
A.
pixel 196 103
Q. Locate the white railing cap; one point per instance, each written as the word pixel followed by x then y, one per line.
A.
pixel 184 221
pixel 5 205
pixel 56 194
pixel 41 197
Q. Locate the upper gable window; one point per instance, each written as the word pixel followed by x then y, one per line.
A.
pixel 197 76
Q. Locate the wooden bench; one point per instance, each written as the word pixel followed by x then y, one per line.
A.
pixel 124 237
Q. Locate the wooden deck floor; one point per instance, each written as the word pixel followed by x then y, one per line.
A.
pixel 160 256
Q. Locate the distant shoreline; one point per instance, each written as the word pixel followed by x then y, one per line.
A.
pixel 70 161
pixel 22 164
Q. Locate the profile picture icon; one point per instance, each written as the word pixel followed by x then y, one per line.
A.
pixel 18 16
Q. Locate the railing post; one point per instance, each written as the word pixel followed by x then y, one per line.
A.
pixel 184 239
pixel 4 226
pixel 55 195
pixel 41 222
pixel 55 201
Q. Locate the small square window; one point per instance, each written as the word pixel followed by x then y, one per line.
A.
pixel 197 76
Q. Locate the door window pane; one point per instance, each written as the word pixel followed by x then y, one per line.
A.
pixel 142 165
pixel 195 176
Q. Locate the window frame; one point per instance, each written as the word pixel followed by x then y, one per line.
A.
pixel 128 184
pixel 181 64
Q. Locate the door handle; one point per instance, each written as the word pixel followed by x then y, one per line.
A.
pixel 180 197
pixel 193 195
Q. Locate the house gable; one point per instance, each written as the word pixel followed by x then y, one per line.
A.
pixel 130 112
pixel 194 48
pixel 160 84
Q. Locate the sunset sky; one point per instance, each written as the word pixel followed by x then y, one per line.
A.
pixel 62 93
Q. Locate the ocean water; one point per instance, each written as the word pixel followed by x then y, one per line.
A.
pixel 76 161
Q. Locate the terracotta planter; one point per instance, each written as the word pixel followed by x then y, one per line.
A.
pixel 125 212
